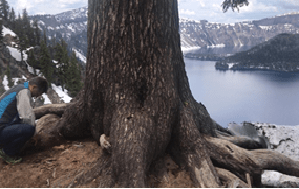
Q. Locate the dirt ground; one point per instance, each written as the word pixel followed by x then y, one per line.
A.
pixel 59 165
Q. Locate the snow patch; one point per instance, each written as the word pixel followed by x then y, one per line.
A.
pixel 5 83
pixel 7 31
pixel 16 54
pixel 47 100
pixel 189 48
pixel 62 94
pixel 80 55
pixel 221 45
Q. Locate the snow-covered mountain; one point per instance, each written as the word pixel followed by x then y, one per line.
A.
pixel 72 27
pixel 248 33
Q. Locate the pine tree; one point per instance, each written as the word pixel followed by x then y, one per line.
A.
pixel 1 30
pixel 26 28
pixel 32 60
pixel 45 62
pixel 12 19
pixel 37 33
pixel 61 56
pixel 74 82
pixel 4 9
pixel 9 79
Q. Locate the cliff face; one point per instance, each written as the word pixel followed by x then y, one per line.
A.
pixel 249 33
pixel 72 27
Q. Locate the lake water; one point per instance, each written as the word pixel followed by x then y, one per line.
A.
pixel 256 96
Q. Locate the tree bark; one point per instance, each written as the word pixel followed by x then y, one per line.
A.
pixel 137 93
pixel 57 109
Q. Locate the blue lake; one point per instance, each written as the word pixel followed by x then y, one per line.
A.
pixel 256 96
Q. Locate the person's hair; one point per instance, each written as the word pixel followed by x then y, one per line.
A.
pixel 41 83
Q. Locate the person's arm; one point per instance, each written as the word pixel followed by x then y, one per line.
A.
pixel 25 110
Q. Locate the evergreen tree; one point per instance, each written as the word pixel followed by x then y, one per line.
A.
pixel 45 36
pixel 36 33
pixel 74 80
pixel 26 28
pixel 1 30
pixel 32 60
pixel 61 56
pixel 45 62
pixel 9 79
pixel 4 9
pixel 12 18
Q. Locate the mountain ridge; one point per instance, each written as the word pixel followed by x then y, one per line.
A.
pixel 72 27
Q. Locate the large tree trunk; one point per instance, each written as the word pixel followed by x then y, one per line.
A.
pixel 136 92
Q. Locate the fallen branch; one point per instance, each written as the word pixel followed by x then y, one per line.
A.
pixel 57 109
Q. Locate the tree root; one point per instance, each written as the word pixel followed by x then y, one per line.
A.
pixel 188 149
pixel 57 109
pixel 241 161
pixel 232 181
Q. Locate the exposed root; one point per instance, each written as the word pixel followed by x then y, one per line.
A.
pixel 189 150
pixel 241 161
pixel 57 109
pixel 230 180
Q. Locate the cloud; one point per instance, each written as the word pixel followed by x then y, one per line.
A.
pixel 257 6
pixel 70 2
pixel 186 12
pixel 46 6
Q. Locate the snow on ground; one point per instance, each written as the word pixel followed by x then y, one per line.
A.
pixel 30 69
pixel 221 45
pixel 184 49
pixel 80 55
pixel 15 80
pixel 6 31
pixel 16 54
pixel 5 83
pixel 47 100
pixel 62 94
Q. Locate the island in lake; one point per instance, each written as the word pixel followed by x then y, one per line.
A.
pixel 281 53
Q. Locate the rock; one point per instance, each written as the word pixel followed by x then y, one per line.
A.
pixel 282 139
pixel 248 130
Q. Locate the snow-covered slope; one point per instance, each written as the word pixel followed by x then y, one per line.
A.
pixel 7 31
pixel 72 26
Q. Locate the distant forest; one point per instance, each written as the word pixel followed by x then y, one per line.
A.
pixel 280 53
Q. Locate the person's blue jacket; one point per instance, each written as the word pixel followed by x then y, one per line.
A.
pixel 15 106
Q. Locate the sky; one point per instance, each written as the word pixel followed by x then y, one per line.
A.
pixel 192 9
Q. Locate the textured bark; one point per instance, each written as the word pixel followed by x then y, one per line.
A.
pixel 232 181
pixel 57 109
pixel 137 92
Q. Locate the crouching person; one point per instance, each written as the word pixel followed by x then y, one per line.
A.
pixel 17 119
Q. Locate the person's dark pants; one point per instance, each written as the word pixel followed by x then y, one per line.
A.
pixel 14 137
